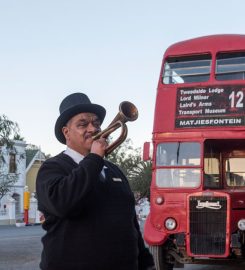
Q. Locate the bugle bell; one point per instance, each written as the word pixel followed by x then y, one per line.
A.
pixel 127 112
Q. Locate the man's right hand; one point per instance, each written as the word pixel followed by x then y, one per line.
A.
pixel 99 147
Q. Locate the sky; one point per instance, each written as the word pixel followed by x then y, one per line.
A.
pixel 110 50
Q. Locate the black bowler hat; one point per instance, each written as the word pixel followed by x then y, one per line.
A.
pixel 72 105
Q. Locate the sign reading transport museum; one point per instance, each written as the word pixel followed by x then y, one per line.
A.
pixel 210 106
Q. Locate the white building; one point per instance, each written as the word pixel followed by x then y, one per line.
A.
pixel 13 164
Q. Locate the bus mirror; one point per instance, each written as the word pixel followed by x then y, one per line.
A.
pixel 146 151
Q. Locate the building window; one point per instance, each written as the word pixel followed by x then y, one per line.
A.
pixel 12 163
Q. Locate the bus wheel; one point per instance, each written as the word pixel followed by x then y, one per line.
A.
pixel 159 258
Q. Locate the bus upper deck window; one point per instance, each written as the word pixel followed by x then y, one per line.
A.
pixel 188 69
pixel 230 66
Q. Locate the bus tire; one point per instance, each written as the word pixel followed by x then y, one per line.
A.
pixel 159 258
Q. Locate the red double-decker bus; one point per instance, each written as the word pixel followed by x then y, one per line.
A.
pixel 197 212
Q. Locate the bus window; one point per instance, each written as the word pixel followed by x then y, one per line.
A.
pixel 187 69
pixel 230 66
pixel 178 164
pixel 235 172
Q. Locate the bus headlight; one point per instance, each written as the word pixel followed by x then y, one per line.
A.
pixel 170 224
pixel 159 200
pixel 241 224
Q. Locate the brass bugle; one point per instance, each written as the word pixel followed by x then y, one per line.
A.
pixel 127 112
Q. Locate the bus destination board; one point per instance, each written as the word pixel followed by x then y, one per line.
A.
pixel 210 106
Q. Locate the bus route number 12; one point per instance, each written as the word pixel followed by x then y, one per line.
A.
pixel 236 99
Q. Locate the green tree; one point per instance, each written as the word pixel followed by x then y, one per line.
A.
pixel 137 171
pixel 6 183
pixel 124 156
pixel 9 131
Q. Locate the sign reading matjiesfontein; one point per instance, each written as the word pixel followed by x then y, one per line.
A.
pixel 210 106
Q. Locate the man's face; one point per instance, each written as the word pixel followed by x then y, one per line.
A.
pixel 79 131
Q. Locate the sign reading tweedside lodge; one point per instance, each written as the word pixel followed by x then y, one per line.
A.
pixel 210 106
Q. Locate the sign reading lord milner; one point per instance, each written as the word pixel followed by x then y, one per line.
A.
pixel 210 106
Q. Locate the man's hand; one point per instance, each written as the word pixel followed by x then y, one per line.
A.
pixel 99 146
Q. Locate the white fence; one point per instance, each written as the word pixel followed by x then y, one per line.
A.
pixel 8 214
pixel 4 212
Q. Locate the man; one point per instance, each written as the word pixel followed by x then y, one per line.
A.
pixel 87 202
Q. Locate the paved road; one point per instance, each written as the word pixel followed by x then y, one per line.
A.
pixel 20 249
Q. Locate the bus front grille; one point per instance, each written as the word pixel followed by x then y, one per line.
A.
pixel 207 225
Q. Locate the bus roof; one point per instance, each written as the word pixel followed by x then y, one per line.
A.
pixel 212 44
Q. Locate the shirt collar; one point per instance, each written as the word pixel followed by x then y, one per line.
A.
pixel 77 157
